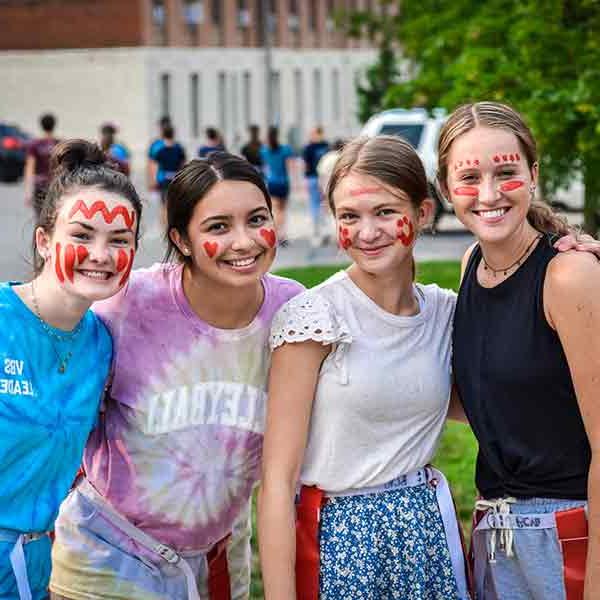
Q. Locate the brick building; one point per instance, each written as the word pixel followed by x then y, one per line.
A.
pixel 204 62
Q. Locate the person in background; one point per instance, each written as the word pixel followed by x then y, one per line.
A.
pixel 213 143
pixel 37 163
pixel 312 154
pixel 251 150
pixel 155 146
pixel 57 353
pixel 170 157
pixel 276 159
pixel 327 162
pixel 115 151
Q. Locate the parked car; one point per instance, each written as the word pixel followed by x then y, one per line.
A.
pixel 13 147
pixel 421 130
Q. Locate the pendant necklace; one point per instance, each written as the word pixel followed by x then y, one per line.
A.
pixel 63 359
pixel 517 263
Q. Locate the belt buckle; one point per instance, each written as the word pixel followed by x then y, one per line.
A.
pixel 167 553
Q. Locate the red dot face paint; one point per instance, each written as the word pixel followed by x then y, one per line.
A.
pixel 269 236
pixel 406 231
pixel 210 248
pixel 466 163
pixel 344 238
pixel 510 186
pixel 127 267
pixel 466 190
pixel 57 266
pixel 109 215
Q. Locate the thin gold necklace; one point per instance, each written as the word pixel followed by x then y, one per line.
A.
pixel 63 360
pixel 517 263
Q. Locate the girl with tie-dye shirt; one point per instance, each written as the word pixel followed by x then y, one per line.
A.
pixel 163 511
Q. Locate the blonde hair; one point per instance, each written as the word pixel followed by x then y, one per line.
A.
pixel 500 116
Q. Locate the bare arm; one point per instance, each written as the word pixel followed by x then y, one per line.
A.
pixel 455 408
pixel 465 260
pixel 292 383
pixel 572 304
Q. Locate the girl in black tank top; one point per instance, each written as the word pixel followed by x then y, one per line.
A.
pixel 526 361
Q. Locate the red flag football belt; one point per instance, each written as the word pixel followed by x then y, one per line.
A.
pixel 218 570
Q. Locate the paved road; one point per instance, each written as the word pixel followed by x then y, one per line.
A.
pixel 16 227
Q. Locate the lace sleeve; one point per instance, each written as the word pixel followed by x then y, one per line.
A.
pixel 308 316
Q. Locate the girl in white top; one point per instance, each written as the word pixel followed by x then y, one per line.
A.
pixel 360 387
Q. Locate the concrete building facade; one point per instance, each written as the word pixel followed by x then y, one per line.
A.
pixel 205 63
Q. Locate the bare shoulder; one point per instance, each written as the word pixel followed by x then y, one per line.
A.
pixel 573 270
pixel 465 258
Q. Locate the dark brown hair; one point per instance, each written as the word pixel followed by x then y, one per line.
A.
pixel 500 116
pixel 77 164
pixel 194 181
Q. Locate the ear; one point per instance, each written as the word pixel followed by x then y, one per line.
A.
pixel 535 172
pixel 43 243
pixel 182 244
pixel 425 213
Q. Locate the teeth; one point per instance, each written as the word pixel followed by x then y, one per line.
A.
pixel 95 274
pixel 491 214
pixel 244 262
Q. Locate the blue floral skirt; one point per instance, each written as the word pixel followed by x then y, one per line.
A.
pixel 386 545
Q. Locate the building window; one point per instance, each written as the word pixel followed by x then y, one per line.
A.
pixel 216 12
pixel 222 100
pixel 247 98
pixel 235 123
pixel 193 14
pixel 318 97
pixel 243 14
pixel 276 97
pixel 195 104
pixel 293 19
pixel 336 96
pixel 158 21
pixel 165 94
pixel 313 14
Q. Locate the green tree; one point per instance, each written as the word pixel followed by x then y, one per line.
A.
pixel 540 56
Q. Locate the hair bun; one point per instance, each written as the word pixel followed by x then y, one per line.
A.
pixel 70 155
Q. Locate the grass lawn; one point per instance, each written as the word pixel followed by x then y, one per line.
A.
pixel 457 451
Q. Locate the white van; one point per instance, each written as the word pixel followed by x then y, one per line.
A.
pixel 422 130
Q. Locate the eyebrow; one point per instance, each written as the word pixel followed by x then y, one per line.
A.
pixel 91 228
pixel 228 217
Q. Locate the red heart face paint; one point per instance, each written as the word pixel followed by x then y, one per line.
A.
pixel 466 190
pixel 344 238
pixel 210 248
pixel 126 263
pixel 269 236
pixel 509 186
pixel 109 215
pixel 406 231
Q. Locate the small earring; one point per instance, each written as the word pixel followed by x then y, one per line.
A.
pixel 186 251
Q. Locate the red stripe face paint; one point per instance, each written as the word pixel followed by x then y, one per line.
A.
pixel 210 248
pixel 269 236
pixel 82 254
pixel 108 215
pixel 70 256
pixel 344 238
pixel 57 266
pixel 509 186
pixel 466 190
pixel 127 267
pixel 122 261
pixel 365 190
pixel 406 231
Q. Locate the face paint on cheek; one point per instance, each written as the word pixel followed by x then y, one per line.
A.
pixel 344 238
pixel 57 267
pixel 127 267
pixel 82 254
pixel 269 236
pixel 406 237
pixel 466 190
pixel 122 261
pixel 210 248
pixel 70 257
pixel 510 186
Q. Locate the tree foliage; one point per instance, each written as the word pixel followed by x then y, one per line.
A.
pixel 540 56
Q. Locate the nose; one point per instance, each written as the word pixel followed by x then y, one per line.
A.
pixel 241 240
pixel 488 191
pixel 369 231
pixel 99 252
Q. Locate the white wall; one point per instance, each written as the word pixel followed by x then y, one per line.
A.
pixel 85 88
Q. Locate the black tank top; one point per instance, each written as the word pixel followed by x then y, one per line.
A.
pixel 516 387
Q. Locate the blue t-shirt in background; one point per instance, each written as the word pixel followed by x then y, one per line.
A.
pixel 274 163
pixel 45 420
pixel 170 158
pixel 312 155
